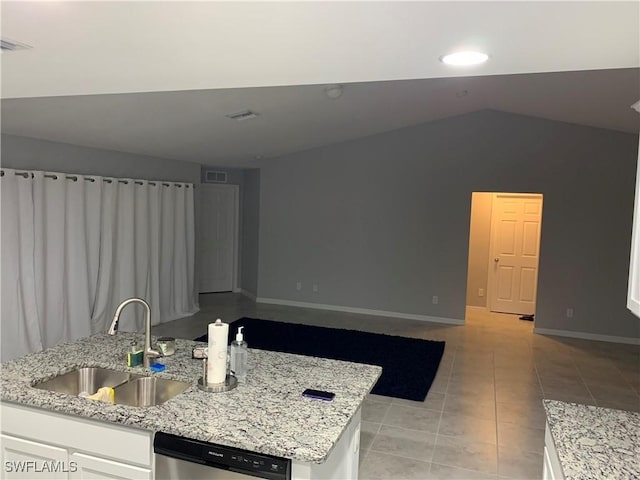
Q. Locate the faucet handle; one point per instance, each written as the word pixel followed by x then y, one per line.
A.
pixel 150 352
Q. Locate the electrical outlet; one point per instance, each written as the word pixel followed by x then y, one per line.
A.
pixel 315 287
pixel 569 312
pixel 434 299
pixel 481 292
pixel 298 286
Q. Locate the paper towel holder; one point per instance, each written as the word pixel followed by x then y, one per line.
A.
pixel 230 382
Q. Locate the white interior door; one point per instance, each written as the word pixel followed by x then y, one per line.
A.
pixel 515 245
pixel 218 237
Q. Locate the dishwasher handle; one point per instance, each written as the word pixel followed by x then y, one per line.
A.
pixel 178 447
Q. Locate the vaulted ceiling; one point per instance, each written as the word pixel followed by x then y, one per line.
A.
pixel 157 78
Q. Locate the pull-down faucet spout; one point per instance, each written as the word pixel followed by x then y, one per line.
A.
pixel 149 353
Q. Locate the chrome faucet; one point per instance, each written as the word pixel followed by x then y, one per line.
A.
pixel 149 353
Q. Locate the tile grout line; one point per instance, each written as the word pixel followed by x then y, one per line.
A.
pixel 368 450
pixel 373 440
pixel 575 365
pixel 395 454
pixel 435 442
pixel 495 411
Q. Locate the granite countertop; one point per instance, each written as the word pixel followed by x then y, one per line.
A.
pixel 267 414
pixel 595 442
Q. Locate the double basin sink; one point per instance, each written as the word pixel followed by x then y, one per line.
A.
pixel 129 388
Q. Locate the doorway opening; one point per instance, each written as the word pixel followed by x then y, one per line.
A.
pixel 504 247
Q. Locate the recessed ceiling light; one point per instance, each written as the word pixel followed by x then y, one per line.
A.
pixel 464 58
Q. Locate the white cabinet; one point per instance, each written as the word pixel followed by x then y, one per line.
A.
pixel 62 446
pixel 80 448
pixel 633 292
pixel 88 467
pixel 551 469
pixel 342 462
pixel 27 459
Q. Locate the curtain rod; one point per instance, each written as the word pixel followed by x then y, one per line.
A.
pixel 89 179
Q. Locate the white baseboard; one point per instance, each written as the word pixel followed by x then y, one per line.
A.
pixel 586 336
pixel 248 294
pixel 236 290
pixel 365 311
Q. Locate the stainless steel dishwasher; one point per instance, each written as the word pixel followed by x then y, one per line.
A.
pixel 180 458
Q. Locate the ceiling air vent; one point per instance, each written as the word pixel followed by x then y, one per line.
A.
pixel 241 116
pixel 7 45
pixel 215 177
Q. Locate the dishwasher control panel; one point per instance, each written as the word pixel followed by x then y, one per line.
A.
pixel 245 460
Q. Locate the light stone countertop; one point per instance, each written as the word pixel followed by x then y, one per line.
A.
pixel 266 415
pixel 595 442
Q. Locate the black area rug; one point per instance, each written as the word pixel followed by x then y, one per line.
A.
pixel 409 365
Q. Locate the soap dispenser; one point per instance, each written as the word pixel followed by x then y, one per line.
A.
pixel 239 353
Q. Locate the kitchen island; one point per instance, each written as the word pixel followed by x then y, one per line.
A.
pixel 585 442
pixel 266 415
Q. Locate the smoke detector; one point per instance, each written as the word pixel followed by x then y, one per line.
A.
pixel 333 91
pixel 7 45
pixel 242 116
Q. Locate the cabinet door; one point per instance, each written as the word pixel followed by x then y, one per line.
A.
pixel 633 293
pixel 547 468
pixel 27 459
pixel 341 463
pixel 128 445
pixel 552 470
pixel 89 468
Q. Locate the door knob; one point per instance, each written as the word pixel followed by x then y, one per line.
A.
pixel 496 259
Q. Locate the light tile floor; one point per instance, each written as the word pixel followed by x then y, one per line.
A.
pixel 483 417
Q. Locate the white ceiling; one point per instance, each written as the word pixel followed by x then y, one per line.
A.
pixel 193 58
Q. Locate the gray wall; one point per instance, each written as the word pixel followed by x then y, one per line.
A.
pixel 383 222
pixel 250 230
pixel 479 246
pixel 33 154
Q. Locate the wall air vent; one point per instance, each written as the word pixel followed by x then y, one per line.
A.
pixel 7 45
pixel 215 177
pixel 242 116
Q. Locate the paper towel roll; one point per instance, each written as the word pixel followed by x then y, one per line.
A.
pixel 217 352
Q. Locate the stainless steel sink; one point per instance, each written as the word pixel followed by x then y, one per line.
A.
pixel 148 391
pixel 129 389
pixel 84 380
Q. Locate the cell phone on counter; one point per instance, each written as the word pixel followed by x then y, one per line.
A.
pixel 318 394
